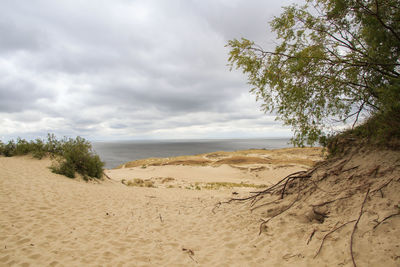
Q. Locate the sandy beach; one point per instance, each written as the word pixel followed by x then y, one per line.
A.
pixel 171 214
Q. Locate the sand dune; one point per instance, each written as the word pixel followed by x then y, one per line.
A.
pixel 50 220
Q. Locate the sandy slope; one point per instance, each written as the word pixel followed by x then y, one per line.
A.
pixel 49 220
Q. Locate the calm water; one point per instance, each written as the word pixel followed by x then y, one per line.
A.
pixel 116 153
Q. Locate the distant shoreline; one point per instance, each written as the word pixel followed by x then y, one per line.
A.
pixel 115 153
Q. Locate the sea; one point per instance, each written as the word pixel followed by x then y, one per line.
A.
pixel 115 153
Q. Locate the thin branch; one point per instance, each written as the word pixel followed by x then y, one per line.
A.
pixel 311 236
pixel 358 114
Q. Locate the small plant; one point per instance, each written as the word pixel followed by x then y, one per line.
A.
pixel 138 182
pixel 167 180
pixel 218 185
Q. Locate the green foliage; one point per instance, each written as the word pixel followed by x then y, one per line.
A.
pixel 64 167
pixel 53 145
pixel 9 149
pixel 23 147
pixel 336 60
pixel 71 155
pixel 381 130
pixel 77 155
pixel 38 148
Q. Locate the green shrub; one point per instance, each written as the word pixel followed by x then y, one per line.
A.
pixel 1 148
pixel 63 167
pixel 38 148
pixel 70 155
pixel 9 149
pixel 77 156
pixel 53 145
pixel 22 147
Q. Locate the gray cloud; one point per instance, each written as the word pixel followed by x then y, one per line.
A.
pixel 129 69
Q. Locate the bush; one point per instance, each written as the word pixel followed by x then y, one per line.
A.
pixel 77 156
pixel 70 155
pixel 64 167
pixel 53 145
pixel 1 148
pixel 38 148
pixel 9 149
pixel 22 147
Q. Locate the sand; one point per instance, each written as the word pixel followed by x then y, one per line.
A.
pixel 50 220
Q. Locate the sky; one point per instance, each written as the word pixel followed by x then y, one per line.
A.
pixel 131 69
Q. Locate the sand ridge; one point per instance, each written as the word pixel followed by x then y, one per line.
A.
pixel 245 167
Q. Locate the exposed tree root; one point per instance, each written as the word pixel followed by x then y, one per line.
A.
pixel 330 232
pixel 382 186
pixel 265 204
pixel 356 181
pixel 270 218
pixel 355 228
pixel 386 218
pixel 331 201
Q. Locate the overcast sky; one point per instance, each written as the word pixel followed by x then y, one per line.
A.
pixel 127 69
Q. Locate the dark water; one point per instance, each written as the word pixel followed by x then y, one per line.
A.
pixel 116 153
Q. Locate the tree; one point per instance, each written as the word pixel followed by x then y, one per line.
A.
pixel 335 60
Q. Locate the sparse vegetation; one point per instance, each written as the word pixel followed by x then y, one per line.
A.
pixel 302 156
pixel 219 185
pixel 138 182
pixel 70 155
pixel 167 180
pixel 381 130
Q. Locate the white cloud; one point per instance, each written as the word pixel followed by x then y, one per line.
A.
pixel 129 69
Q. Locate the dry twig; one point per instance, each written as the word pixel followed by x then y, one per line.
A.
pixel 216 206
pixel 311 236
pixel 190 253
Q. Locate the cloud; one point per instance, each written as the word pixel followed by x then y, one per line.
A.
pixel 129 69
